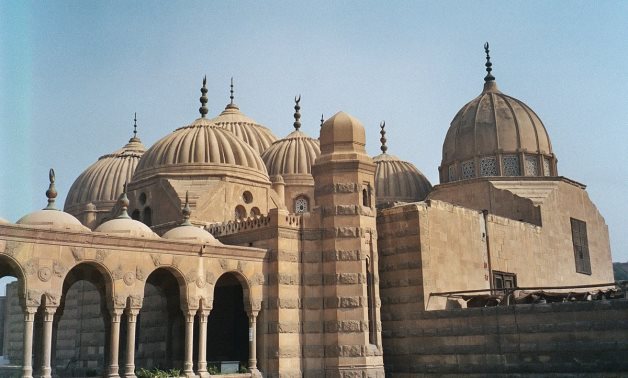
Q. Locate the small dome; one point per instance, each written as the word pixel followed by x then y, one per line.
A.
pixel 123 225
pixel 294 154
pixel 103 181
pixel 245 128
pixel 201 148
pixel 190 233
pixel 342 133
pixel 496 135
pixel 52 219
pixel 397 180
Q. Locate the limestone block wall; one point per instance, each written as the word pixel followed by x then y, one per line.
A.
pixel 558 338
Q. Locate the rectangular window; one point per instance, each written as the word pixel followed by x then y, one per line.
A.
pixel 504 280
pixel 580 246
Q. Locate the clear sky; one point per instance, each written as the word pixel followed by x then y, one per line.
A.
pixel 73 72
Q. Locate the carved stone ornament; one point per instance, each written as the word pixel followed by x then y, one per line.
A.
pixel 224 264
pixel 128 278
pixel 191 276
pixel 242 266
pixel 139 273
pixel 51 299
pixel 11 248
pixel 31 266
pixel 118 273
pixel 156 259
pixel 58 269
pixel 135 301
pixel 44 274
pixel 200 283
pixel 119 301
pixel 101 254
pixel 33 298
pixel 257 279
pixel 78 253
pixel 210 278
pixel 176 260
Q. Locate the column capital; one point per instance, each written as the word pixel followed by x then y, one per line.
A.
pixel 252 314
pixel 49 312
pixel 131 314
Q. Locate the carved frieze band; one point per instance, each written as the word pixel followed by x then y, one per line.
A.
pixel 346 187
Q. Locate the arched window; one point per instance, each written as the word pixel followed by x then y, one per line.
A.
pixel 135 214
pixel 255 212
pixel 365 197
pixel 148 216
pixel 240 212
pixel 301 205
pixel 370 303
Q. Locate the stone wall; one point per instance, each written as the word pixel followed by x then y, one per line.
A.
pixel 578 337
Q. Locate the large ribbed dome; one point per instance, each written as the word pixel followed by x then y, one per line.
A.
pixel 496 135
pixel 397 180
pixel 201 148
pixel 245 128
pixel 103 181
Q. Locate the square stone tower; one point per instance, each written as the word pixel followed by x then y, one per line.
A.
pixel 344 180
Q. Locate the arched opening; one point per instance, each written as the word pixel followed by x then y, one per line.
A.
pixel 81 324
pixel 227 324
pixel 240 212
pixel 11 316
pixel 160 333
pixel 148 216
pixel 135 215
pixel 301 205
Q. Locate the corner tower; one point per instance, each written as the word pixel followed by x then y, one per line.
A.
pixel 344 178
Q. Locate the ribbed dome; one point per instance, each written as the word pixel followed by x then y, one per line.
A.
pixel 294 154
pixel 104 180
pixel 496 135
pixel 398 181
pixel 245 128
pixel 202 148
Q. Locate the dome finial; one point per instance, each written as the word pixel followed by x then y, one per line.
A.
pixel 489 76
pixel 322 120
pixel 203 109
pixel 297 114
pixel 382 125
pixel 186 210
pixel 51 193
pixel 123 202
pixel 135 125
pixel 231 91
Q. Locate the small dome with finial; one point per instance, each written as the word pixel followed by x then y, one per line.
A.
pixel 295 154
pixel 51 217
pixel 187 232
pixel 101 183
pixel 496 135
pixel 254 134
pixel 397 180
pixel 123 225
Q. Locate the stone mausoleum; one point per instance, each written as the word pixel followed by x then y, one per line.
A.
pixel 223 249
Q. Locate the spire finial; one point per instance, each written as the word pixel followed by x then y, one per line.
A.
pixel 51 193
pixel 382 125
pixel 123 203
pixel 297 115
pixel 186 210
pixel 231 91
pixel 322 119
pixel 135 125
pixel 203 109
pixel 489 76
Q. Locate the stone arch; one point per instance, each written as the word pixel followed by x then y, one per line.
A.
pixel 15 300
pixel 178 276
pixel 246 287
pixel 9 266
pixel 83 321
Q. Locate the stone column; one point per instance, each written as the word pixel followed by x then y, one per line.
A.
pixel 188 364
pixel 49 313
pixel 129 367
pixel 115 343
pixel 253 343
pixel 29 318
pixel 202 343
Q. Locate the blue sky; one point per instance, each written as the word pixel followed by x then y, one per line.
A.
pixel 73 72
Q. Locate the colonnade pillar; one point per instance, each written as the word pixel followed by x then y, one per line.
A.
pixel 253 343
pixel 202 343
pixel 129 367
pixel 46 369
pixel 116 314
pixel 188 364
pixel 29 319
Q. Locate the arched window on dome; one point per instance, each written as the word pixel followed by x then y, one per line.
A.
pixel 148 216
pixel 135 215
pixel 240 212
pixel 255 212
pixel 301 205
